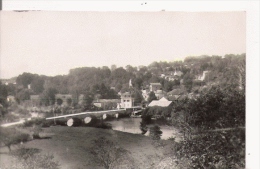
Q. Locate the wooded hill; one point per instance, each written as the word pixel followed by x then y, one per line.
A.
pixel 223 71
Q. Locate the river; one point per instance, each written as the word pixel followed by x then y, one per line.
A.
pixel 131 125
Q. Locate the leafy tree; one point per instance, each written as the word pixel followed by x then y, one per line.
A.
pixel 25 79
pixel 155 132
pixel 151 97
pixel 59 101
pixel 48 96
pixel 87 102
pixel 143 127
pixel 108 154
pixel 187 81
pixel 23 94
pixel 3 95
pixel 37 85
pixel 138 98
pixel 167 86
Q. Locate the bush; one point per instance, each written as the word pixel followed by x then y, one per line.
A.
pixel 28 158
pixel 143 127
pixel 10 137
pixel 35 121
pixel 155 132
pixel 108 154
pixel 103 125
pixel 24 153
pixel 216 149
pixel 147 119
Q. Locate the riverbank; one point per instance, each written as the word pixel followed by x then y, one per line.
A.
pixel 70 146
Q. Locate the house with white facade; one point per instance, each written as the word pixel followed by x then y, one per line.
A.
pixel 203 76
pixel 163 102
pixel 126 100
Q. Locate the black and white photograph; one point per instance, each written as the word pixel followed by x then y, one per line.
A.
pixel 141 85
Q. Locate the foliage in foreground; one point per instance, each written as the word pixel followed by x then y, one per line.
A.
pixel 155 132
pixel 215 149
pixel 29 158
pixel 210 124
pixel 108 154
pixel 10 136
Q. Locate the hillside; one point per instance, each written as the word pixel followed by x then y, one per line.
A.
pixel 71 146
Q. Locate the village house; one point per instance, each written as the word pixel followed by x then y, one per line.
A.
pixel 155 86
pixel 178 73
pixel 107 104
pixel 163 102
pixel 11 99
pixel 203 76
pixel 176 92
pixel 126 100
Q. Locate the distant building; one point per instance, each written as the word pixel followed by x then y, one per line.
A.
pixel 163 102
pixel 160 94
pixel 202 77
pixel 11 99
pixel 107 104
pixel 155 86
pixel 178 73
pixel 126 100
pixel 145 94
pixel 176 92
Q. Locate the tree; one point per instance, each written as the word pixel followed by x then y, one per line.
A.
pixel 87 102
pixel 187 81
pixel 23 94
pixel 59 101
pixel 3 95
pixel 108 154
pixel 37 85
pixel 138 98
pixel 25 79
pixel 143 127
pixel 155 132
pixel 48 96
pixel 69 101
pixel 151 97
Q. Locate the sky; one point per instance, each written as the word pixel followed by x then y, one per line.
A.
pixel 51 43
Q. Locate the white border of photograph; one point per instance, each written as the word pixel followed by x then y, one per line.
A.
pixel 252 53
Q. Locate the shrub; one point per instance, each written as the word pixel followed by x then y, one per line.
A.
pixel 147 119
pixel 224 149
pixel 24 153
pixel 10 137
pixel 35 121
pixel 143 127
pixel 103 125
pixel 28 158
pixel 155 132
pixel 108 154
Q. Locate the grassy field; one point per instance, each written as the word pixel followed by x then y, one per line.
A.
pixel 71 146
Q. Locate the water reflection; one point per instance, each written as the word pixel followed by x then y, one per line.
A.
pixel 131 125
